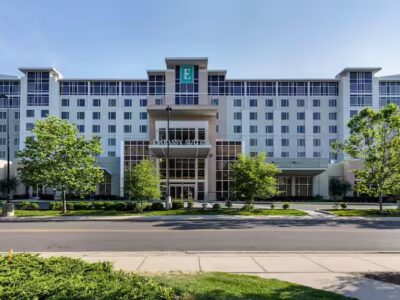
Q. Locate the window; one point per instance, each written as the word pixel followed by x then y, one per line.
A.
pixel 284 102
pixel 65 115
pixel 134 88
pixel 73 87
pixel 269 102
pixel 285 142
pixel 360 100
pixel 316 103
pixel 253 102
pixel 332 116
pixel 332 129
pixel 237 115
pixel 332 141
pixel 284 154
pixel 360 82
pixel 127 128
pixel 284 116
pixel 143 128
pixel 80 102
pixel 111 128
pixel 143 115
pixel 316 129
pixel 64 102
pixel 301 116
pixel 269 116
pixel 253 116
pixel 300 102
pixel 111 153
pixel 237 102
pixel 111 142
pixel 316 154
pixel 29 126
pixel 301 129
pixel 159 101
pixel 104 88
pixel 96 102
pixel 237 129
pixel 2 141
pixel 96 128
pixel 143 102
pixel 217 115
pixel 216 128
pixel 284 129
pixel 30 113
pixel 214 102
pixel 353 113
pixel 260 88
pixel 16 141
pixel 80 115
pixel 324 88
pixel 269 142
pixel 3 115
pixel 112 102
pixel 44 113
pixel 253 142
pixel 332 155
pixel 96 115
pixel 301 154
pixel 16 115
pixel 294 88
pixel 317 142
pixel 112 115
pixel 127 115
pixel 253 129
pixel 269 129
pixel 253 153
pixel 332 103
pixel 127 102
pixel 16 128
pixel 316 116
pixel 3 128
pixel 301 142
pixel 270 154
pixel 38 100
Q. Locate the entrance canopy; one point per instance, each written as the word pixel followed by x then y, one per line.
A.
pixel 181 151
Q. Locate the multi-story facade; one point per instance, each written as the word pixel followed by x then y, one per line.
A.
pixel 212 120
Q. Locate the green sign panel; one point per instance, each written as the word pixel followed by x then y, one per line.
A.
pixel 186 74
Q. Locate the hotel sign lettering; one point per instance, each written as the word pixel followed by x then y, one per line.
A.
pixel 186 74
pixel 180 142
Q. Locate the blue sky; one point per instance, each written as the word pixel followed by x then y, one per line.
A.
pixel 249 38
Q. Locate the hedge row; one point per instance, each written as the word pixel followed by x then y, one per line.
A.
pixel 95 205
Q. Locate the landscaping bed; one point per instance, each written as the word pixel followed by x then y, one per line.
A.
pixel 391 277
pixel 26 276
pixel 365 212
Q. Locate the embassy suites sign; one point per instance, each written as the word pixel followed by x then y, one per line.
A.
pixel 179 142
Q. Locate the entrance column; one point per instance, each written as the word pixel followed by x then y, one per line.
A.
pixel 293 185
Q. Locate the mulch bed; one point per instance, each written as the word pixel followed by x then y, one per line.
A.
pixel 391 277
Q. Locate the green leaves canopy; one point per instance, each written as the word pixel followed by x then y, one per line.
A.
pixel 375 139
pixel 55 156
pixel 253 177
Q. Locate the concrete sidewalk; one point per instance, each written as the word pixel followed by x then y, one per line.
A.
pixel 337 272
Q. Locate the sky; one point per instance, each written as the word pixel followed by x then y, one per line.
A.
pixel 248 38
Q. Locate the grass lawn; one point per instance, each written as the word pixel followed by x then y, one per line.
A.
pixel 365 212
pixel 27 276
pixel 224 286
pixel 171 212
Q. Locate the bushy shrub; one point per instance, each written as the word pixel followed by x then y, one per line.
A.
pixel 99 205
pixel 228 204
pixel 272 206
pixel 70 205
pixel 27 205
pixel 318 198
pixel 83 205
pixel 216 206
pixel 55 205
pixel 177 204
pixel 27 276
pixel 343 205
pixel 204 206
pixel 285 206
pixel 190 204
pixel 248 207
pixel 157 206
pixel 114 205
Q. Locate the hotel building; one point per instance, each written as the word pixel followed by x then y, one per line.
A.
pixel 213 118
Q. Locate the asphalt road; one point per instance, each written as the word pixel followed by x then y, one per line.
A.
pixel 219 235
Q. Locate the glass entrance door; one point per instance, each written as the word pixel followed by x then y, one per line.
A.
pixel 183 191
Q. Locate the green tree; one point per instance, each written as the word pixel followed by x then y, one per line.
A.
pixel 142 183
pixel 375 139
pixel 13 184
pixel 338 188
pixel 253 177
pixel 56 156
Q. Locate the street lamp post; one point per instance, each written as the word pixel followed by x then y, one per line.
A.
pixel 8 207
pixel 168 196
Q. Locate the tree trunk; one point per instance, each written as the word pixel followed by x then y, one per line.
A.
pixel 380 204
pixel 64 202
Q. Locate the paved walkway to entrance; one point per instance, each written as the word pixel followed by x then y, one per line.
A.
pixel 338 272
